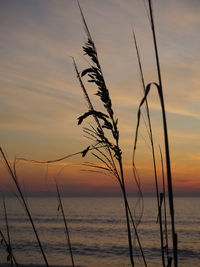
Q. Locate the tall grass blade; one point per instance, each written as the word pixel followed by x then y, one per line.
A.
pixel 165 209
pixel 168 165
pixel 60 205
pixel 16 182
pixel 152 146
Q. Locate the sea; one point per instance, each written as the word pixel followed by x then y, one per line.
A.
pixel 97 228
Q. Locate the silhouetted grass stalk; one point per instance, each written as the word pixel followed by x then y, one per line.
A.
pixel 168 165
pixel 114 169
pixel 165 211
pixel 15 180
pixel 3 240
pixel 60 206
pixel 94 72
pixel 9 247
pixel 150 132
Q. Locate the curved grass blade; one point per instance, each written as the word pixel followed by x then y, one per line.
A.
pixel 150 132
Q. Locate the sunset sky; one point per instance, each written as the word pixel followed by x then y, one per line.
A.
pixel 40 97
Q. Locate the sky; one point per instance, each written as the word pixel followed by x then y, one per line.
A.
pixel 41 98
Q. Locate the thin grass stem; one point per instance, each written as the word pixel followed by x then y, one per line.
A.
pixel 15 180
pixel 165 210
pixel 3 240
pixel 9 247
pixel 60 205
pixel 168 165
pixel 150 132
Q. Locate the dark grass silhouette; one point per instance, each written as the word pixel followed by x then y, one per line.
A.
pixel 13 174
pixel 165 211
pixel 106 131
pixel 159 88
pixel 150 134
pixel 167 154
pixel 60 207
pixel 7 248
pixel 7 243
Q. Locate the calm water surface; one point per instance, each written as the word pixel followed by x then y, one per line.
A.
pixel 98 232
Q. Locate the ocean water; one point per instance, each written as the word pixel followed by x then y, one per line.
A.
pixel 98 234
